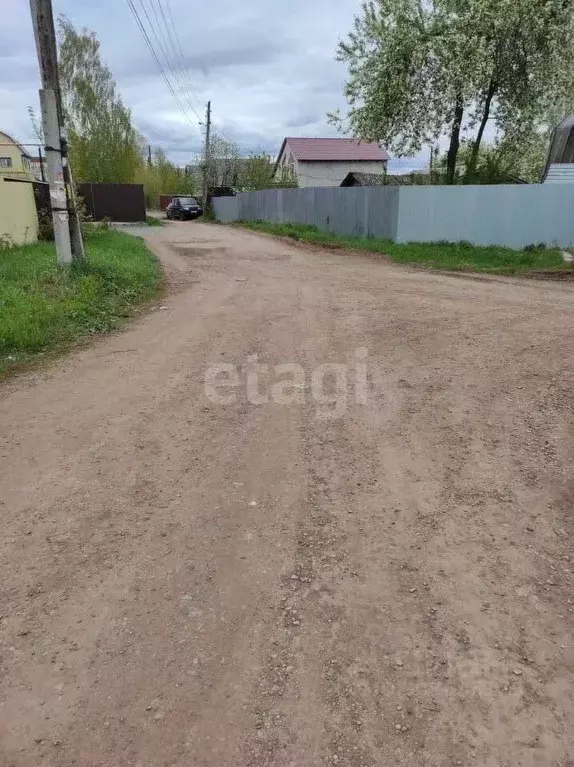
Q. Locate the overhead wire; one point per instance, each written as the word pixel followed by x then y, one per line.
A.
pixel 178 50
pixel 168 47
pixel 170 53
pixel 156 31
pixel 153 52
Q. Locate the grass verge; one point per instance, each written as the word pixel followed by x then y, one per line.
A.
pixel 44 308
pixel 458 256
pixel 153 221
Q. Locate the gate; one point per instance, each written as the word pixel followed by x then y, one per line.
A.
pixel 118 202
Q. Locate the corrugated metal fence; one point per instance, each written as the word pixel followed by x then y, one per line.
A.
pixel 360 212
pixel 511 215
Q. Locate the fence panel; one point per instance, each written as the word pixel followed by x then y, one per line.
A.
pixel 118 202
pixel 359 212
pixel 226 209
pixel 18 216
pixel 507 214
pixel 513 215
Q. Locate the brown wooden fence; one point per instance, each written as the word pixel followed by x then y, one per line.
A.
pixel 118 202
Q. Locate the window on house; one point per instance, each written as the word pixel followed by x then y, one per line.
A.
pixel 25 162
pixel 5 162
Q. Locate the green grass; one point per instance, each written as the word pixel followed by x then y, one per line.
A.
pixel 458 256
pixel 153 221
pixel 44 308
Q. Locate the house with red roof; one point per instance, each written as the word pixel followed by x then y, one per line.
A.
pixel 327 161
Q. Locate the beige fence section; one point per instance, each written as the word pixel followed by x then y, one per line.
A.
pixel 18 217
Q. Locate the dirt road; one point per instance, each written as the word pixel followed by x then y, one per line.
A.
pixel 186 583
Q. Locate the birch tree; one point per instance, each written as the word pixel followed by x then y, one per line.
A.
pixel 102 139
pixel 161 176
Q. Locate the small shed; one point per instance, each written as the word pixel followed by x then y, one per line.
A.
pixel 357 178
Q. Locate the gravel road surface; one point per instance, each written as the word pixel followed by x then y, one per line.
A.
pixel 187 583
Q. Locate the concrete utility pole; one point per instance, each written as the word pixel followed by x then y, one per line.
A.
pixel 67 231
pixel 207 157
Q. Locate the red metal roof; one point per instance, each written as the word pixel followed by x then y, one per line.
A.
pixel 334 149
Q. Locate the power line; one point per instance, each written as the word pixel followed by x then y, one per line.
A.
pixel 171 51
pixel 149 44
pixel 164 44
pixel 159 29
pixel 169 48
pixel 178 47
pixel 221 133
pixel 154 31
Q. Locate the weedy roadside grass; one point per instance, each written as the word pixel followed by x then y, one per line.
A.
pixel 44 307
pixel 153 221
pixel 457 256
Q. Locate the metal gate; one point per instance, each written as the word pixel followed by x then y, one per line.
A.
pixel 118 202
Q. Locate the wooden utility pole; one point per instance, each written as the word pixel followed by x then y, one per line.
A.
pixel 67 231
pixel 207 162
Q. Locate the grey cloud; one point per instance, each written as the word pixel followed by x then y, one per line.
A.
pixel 207 63
pixel 170 137
pixel 260 53
pixel 19 69
pixel 269 69
pixel 8 48
pixel 300 121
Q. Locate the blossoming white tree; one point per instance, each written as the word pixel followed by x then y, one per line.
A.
pixel 420 68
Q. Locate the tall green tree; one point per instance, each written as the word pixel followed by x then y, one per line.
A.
pixel 419 69
pixel 402 88
pixel 258 172
pixel 523 68
pixel 161 176
pixel 223 163
pixel 103 142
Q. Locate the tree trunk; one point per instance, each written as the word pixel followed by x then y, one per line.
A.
pixel 471 170
pixel 454 141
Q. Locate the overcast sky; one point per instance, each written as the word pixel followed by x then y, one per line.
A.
pixel 268 68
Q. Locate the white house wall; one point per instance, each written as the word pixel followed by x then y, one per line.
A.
pixel 332 173
pixel 287 164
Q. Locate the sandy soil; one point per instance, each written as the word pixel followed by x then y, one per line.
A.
pixel 192 584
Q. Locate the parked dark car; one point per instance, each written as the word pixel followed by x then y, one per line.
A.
pixel 183 207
